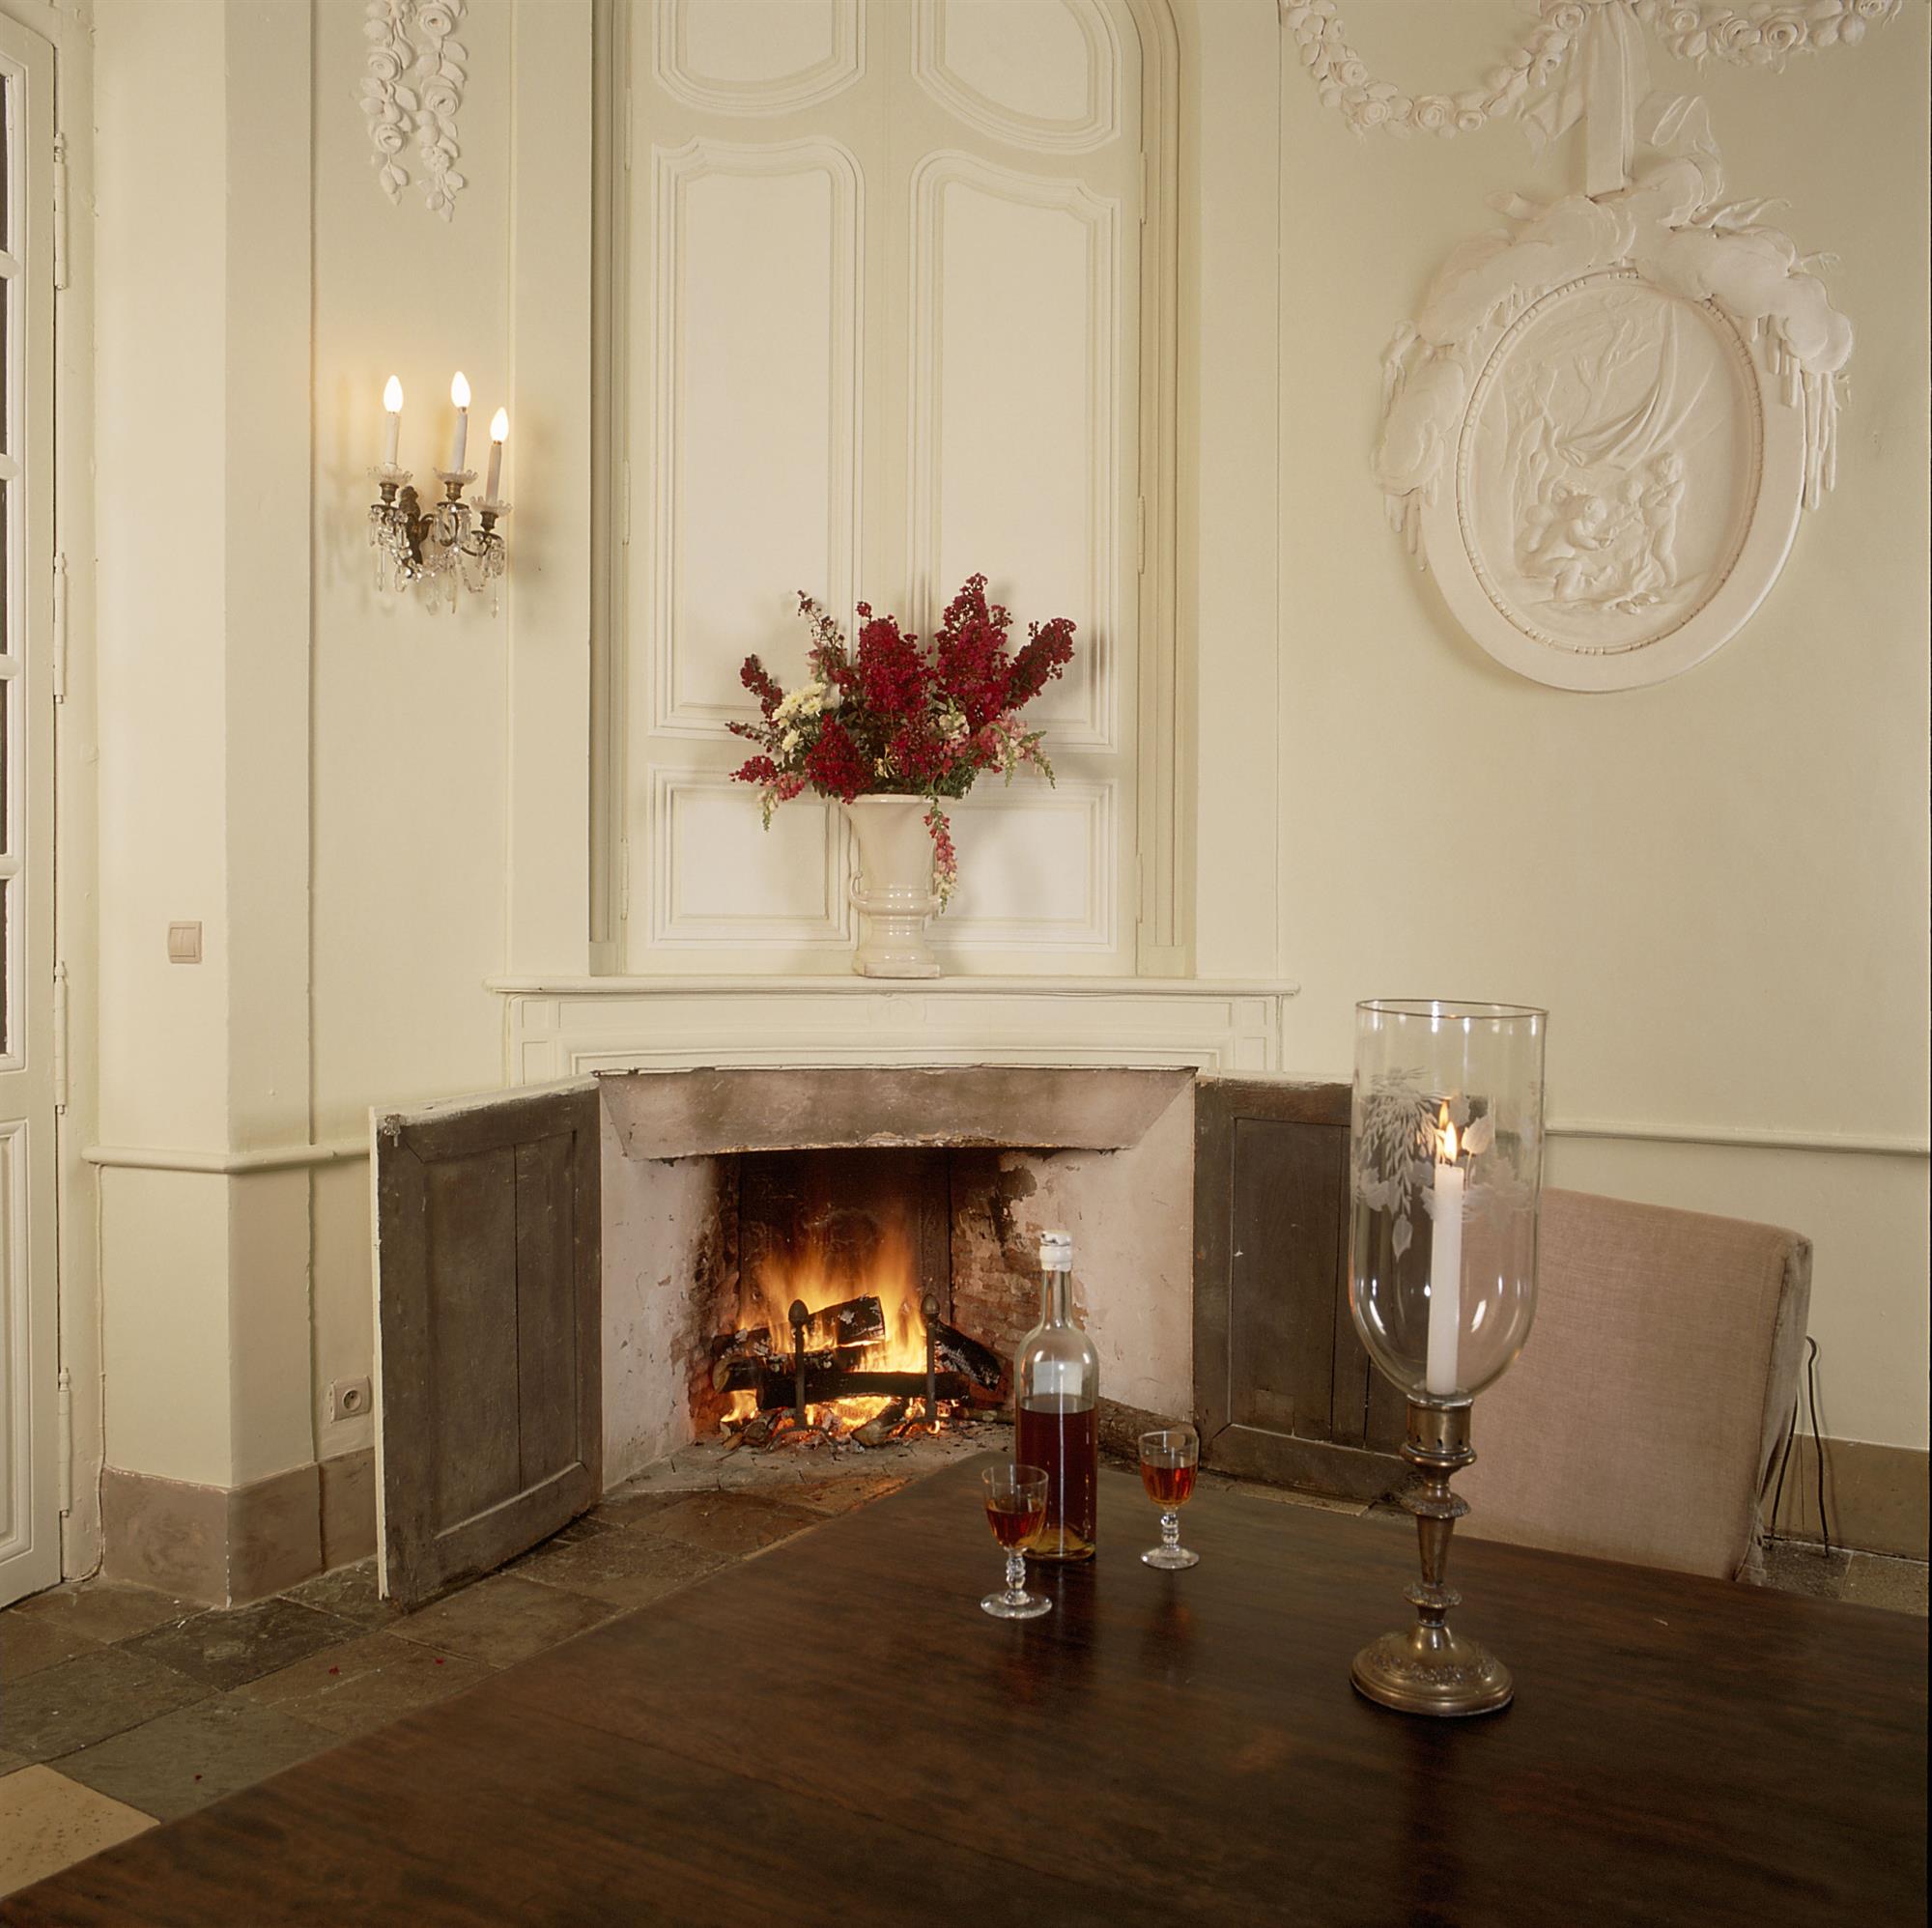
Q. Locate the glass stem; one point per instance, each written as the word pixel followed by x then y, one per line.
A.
pixel 1015 1577
pixel 1170 1529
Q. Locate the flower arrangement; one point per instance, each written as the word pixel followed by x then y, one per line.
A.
pixel 893 719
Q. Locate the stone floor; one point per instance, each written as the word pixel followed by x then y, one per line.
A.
pixel 120 1707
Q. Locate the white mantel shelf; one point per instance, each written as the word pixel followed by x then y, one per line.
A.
pixel 563 1027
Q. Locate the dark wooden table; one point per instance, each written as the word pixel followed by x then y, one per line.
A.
pixel 835 1732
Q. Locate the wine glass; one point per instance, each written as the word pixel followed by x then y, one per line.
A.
pixel 1170 1459
pixel 1016 1511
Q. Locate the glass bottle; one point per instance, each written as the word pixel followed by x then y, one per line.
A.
pixel 1056 1410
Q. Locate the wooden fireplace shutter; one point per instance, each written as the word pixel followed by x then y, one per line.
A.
pixel 488 1302
pixel 1282 1386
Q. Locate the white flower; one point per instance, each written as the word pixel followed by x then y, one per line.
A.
pixel 788 742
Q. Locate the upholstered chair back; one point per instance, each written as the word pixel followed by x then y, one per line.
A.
pixel 1643 1418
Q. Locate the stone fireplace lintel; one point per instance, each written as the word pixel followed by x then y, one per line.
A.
pixel 711 1112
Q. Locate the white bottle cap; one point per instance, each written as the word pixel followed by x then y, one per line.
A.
pixel 1055 1252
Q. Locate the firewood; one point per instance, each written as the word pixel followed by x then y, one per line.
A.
pixel 777 1386
pixel 858 1321
pixel 746 1372
pixel 880 1428
pixel 956 1352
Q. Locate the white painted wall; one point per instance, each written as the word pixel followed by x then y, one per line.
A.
pixel 1716 886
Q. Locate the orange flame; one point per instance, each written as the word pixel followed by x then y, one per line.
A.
pixel 821 1275
pixel 1446 1153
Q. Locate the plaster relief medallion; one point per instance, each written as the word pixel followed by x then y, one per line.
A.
pixel 1600 430
pixel 1609 473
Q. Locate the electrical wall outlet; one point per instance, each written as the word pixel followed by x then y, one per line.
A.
pixel 350 1399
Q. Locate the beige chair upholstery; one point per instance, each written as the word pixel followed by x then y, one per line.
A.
pixel 1642 1419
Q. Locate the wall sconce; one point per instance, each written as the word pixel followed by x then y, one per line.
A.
pixel 448 546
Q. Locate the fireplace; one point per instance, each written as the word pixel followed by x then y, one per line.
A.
pixel 577 1281
pixel 899 1210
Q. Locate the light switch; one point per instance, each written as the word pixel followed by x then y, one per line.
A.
pixel 184 944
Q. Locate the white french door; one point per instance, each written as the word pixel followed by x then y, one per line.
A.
pixel 29 1339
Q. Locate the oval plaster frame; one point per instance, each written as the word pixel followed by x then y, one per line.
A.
pixel 1771 527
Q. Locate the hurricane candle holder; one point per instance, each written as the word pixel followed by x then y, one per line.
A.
pixel 1445 1179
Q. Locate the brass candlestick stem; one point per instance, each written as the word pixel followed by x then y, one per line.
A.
pixel 1429 1669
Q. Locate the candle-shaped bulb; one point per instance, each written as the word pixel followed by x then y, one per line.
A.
pixel 459 393
pixel 392 409
pixel 500 429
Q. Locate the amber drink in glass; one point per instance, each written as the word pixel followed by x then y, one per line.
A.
pixel 1170 1459
pixel 1016 1505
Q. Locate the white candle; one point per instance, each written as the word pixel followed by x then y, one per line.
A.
pixel 500 429
pixel 459 393
pixel 1445 1266
pixel 392 406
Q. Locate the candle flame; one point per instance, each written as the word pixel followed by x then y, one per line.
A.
pixel 392 396
pixel 499 425
pixel 458 390
pixel 1447 1131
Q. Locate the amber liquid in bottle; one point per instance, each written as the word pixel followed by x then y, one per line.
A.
pixel 1061 1436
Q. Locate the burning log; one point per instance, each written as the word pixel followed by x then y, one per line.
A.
pixel 962 1356
pixel 776 1385
pixel 880 1428
pixel 746 1372
pixel 858 1321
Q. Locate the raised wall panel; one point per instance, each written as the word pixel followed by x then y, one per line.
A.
pixel 1035 74
pixel 756 411
pixel 1017 440
pixel 1035 868
pixel 757 56
pixel 721 878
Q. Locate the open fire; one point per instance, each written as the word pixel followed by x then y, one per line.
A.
pixel 835 1338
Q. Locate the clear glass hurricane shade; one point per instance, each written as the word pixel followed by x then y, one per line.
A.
pixel 1445 1172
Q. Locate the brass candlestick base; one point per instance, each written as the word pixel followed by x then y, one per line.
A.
pixel 1429 1669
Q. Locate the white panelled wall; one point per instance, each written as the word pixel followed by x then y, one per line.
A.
pixel 872 306
pixel 885 298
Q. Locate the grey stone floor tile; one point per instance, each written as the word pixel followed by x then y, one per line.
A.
pixel 1872 1579
pixel 185 1760
pixel 505 1619
pixel 628 1569
pixel 350 1593
pixel 104 1610
pixel 226 1647
pixel 732 1523
pixel 844 1495
pixel 28 1645
pixel 365 1684
pixel 635 1509
pixel 78 1702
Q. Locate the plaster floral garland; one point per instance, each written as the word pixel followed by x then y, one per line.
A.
pixel 1766 33
pixel 412 93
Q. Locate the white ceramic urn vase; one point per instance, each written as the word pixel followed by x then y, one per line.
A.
pixel 892 892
